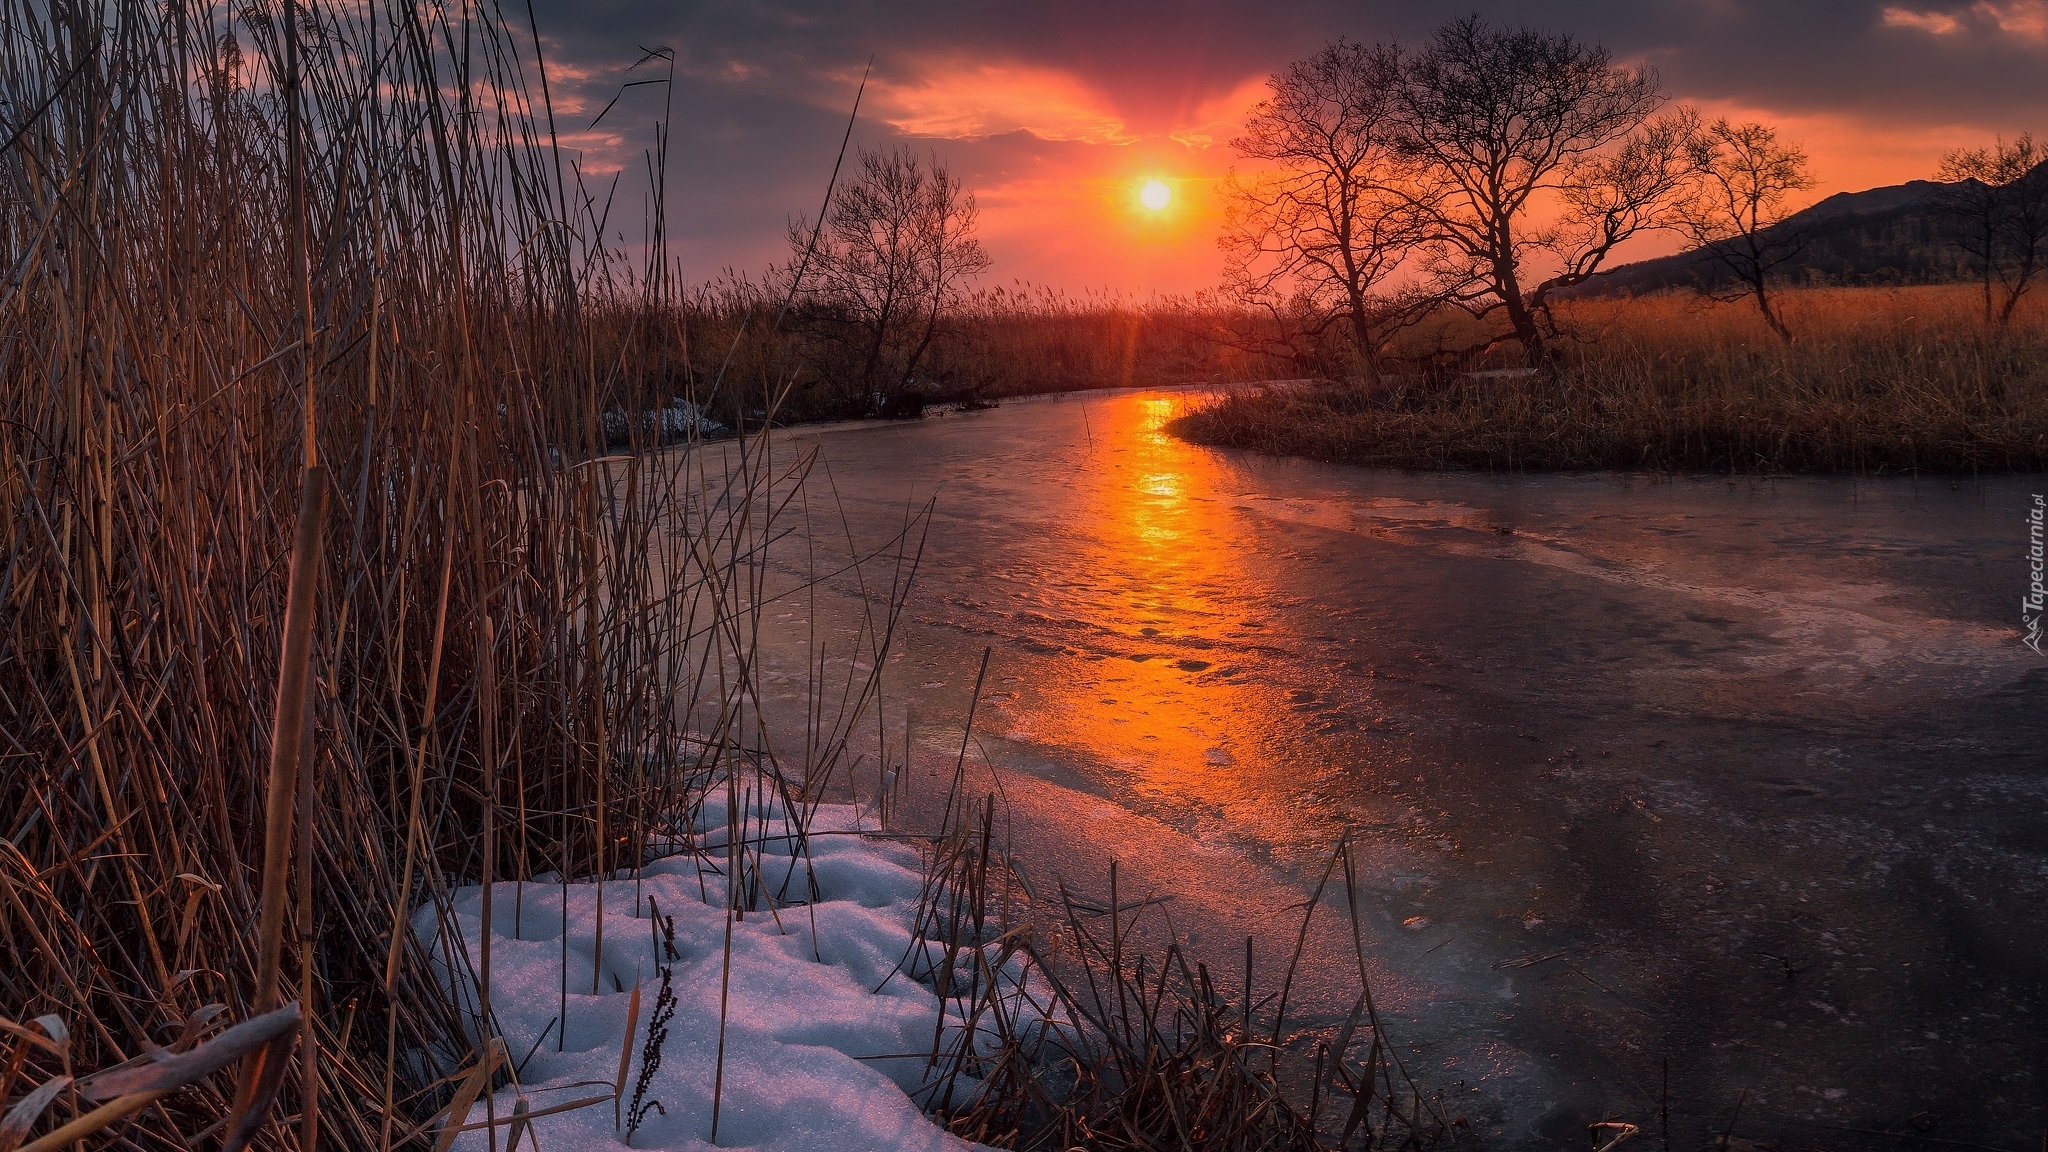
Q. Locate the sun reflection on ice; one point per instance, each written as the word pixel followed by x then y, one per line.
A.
pixel 1166 587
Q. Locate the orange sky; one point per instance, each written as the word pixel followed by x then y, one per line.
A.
pixel 1057 112
pixel 1072 215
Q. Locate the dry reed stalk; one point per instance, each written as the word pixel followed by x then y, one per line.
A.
pixel 289 778
pixel 1058 1031
pixel 215 236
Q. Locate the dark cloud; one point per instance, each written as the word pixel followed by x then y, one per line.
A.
pixel 762 90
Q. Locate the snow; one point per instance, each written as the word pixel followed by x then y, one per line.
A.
pixel 804 1018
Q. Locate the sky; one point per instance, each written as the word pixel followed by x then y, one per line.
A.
pixel 1056 114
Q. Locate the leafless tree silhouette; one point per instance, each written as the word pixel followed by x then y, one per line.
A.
pixel 897 246
pixel 1312 239
pixel 1517 123
pixel 1735 205
pixel 2000 194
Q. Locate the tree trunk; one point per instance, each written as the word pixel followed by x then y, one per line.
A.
pixel 1763 305
pixel 867 372
pixel 1361 338
pixel 1521 318
pixel 1990 265
pixel 1508 287
pixel 2021 277
pixel 931 326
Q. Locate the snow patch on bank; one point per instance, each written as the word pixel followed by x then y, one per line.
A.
pixel 804 1022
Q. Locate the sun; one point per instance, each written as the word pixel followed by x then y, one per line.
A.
pixel 1155 195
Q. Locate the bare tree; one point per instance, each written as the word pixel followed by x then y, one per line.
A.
pixel 896 248
pixel 1515 122
pixel 2000 194
pixel 1312 240
pixel 1741 178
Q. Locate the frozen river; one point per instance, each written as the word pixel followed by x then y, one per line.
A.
pixel 1747 775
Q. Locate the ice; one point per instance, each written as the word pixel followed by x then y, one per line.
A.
pixel 816 1057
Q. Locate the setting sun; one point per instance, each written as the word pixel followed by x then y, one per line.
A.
pixel 1155 195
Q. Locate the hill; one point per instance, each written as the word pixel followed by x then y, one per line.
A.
pixel 1881 236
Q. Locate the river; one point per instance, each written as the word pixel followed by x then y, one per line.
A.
pixel 1749 776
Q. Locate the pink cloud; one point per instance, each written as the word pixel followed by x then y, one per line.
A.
pixel 1936 23
pixel 967 101
pixel 2023 19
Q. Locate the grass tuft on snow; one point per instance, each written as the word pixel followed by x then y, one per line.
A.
pixel 815 1056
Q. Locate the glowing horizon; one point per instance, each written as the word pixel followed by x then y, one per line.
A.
pixel 1041 227
pixel 1059 121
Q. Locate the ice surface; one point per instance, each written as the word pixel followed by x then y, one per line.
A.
pixel 805 1023
pixel 1635 746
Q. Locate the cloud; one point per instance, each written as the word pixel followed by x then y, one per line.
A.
pixel 1217 119
pixel 1937 23
pixel 1054 112
pixel 2025 20
pixel 972 101
pixel 725 71
pixel 598 153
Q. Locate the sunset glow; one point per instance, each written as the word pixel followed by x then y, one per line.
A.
pixel 1094 146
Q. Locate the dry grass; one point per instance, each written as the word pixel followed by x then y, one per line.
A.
pixel 1879 381
pixel 324 595
pixel 997 342
pixel 1019 341
pixel 518 654
pixel 1064 1032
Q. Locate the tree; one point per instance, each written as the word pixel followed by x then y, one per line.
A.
pixel 2000 195
pixel 1313 239
pixel 1734 209
pixel 897 245
pixel 1514 121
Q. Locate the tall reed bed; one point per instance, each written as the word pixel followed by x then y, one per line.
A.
pixel 999 341
pixel 233 253
pixel 1876 381
pixel 1026 339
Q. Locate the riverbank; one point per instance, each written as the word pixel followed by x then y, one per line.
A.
pixel 1608 747
pixel 1880 381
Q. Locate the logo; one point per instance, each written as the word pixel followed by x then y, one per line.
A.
pixel 2033 604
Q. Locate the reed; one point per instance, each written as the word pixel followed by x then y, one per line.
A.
pixel 1025 339
pixel 516 648
pixel 1877 381
pixel 998 341
pixel 1068 1023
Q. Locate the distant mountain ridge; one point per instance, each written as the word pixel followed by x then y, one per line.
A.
pixel 1897 234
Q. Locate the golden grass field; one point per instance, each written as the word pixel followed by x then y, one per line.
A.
pixel 1878 380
